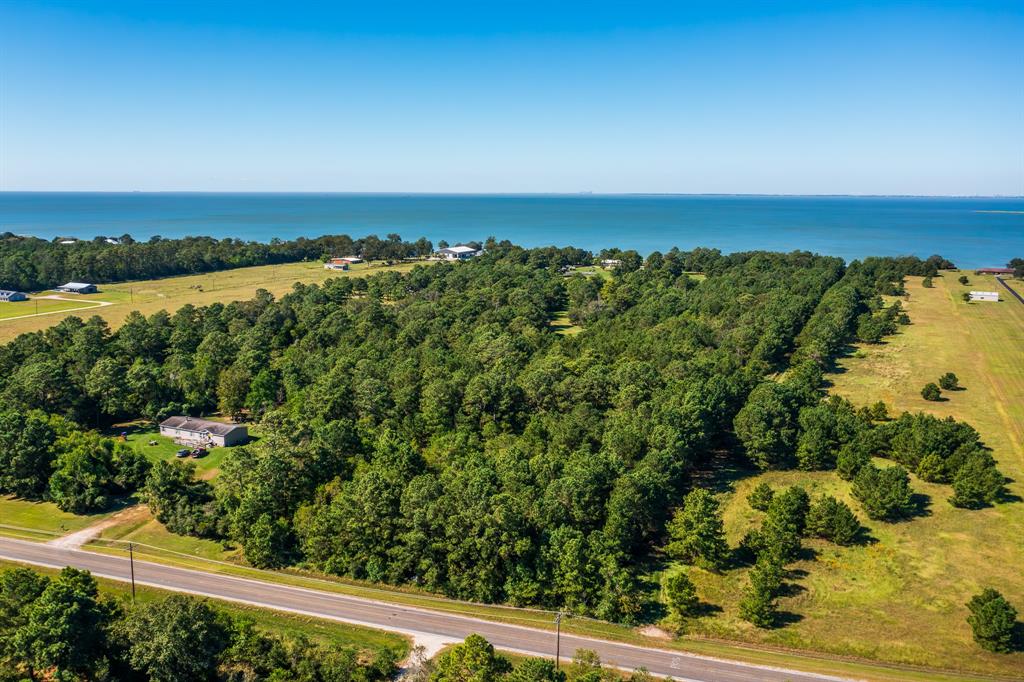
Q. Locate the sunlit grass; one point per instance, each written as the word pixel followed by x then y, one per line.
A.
pixel 170 293
pixel 901 598
pixel 41 516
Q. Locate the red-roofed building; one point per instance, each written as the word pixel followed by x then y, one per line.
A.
pixel 336 264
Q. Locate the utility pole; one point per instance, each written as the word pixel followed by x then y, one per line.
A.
pixel 131 561
pixel 558 638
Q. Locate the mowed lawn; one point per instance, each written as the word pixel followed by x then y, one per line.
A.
pixel 141 435
pixel 43 307
pixel 19 517
pixel 149 296
pixel 143 528
pixel 24 516
pixel 154 541
pixel 902 598
pixel 561 324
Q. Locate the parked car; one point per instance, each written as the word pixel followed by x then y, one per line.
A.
pixel 184 452
pixel 199 452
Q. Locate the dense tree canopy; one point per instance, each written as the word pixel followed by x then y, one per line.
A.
pixel 48 457
pixel 432 428
pixel 29 263
pixel 61 628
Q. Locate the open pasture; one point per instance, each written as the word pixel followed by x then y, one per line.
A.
pixel 149 296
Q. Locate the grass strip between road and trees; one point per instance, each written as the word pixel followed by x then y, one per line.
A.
pixel 318 630
pixel 540 619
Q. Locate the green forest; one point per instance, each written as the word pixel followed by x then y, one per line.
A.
pixel 64 628
pixel 32 264
pixel 432 429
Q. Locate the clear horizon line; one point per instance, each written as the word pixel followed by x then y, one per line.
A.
pixel 581 193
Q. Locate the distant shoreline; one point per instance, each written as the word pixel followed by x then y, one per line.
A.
pixel 516 194
pixel 847 227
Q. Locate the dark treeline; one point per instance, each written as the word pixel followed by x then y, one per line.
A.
pixel 431 429
pixel 62 628
pixel 28 263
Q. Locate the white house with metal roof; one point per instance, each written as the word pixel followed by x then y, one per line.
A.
pixel 195 431
pixel 460 252
pixel 77 288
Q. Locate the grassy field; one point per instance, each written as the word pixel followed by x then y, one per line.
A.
pixel 42 520
pixel 366 640
pixel 43 517
pixel 561 324
pixel 902 598
pixel 171 293
pixel 144 530
pixel 897 600
pixel 140 435
pixel 44 307
pixel 207 555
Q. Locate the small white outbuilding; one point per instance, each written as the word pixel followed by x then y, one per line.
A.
pixel 985 296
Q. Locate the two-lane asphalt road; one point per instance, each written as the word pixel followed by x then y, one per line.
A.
pixel 408 620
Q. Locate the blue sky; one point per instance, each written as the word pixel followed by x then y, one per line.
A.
pixel 797 98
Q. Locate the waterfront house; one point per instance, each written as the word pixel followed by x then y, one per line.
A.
pixel 460 252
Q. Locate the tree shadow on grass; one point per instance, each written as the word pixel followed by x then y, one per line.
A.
pixel 920 506
pixel 721 473
pixel 739 557
pixel 1017 644
pixel 1005 496
pixel 653 611
pixel 784 618
pixel 806 553
pixel 791 589
pixel 796 573
pixel 704 608
pixel 863 538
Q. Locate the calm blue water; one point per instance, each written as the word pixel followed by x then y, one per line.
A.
pixel 960 229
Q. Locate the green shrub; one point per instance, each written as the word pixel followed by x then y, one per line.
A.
pixel 977 483
pixel 760 497
pixel 680 594
pixel 992 621
pixel 833 520
pixel 758 605
pixel 884 493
